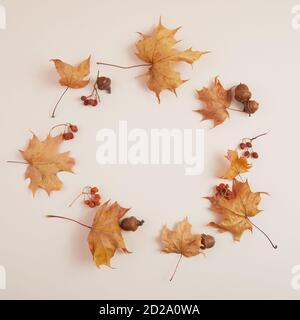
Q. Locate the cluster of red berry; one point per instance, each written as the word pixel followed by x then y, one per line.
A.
pixel 90 100
pixel 70 129
pixel 224 191
pixel 92 197
pixel 68 132
pixel 247 146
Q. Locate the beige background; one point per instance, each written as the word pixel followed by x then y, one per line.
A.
pixel 250 41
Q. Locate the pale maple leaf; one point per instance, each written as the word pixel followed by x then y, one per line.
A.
pixel 44 162
pixel 105 237
pixel 157 50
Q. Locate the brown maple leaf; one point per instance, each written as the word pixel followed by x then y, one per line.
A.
pixel 45 162
pixel 73 76
pixel 216 100
pixel 181 240
pixel 157 50
pixel 236 211
pixel 238 165
pixel 105 236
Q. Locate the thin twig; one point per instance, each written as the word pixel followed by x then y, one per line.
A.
pixel 260 135
pixel 122 67
pixel 272 244
pixel 176 267
pixel 65 218
pixel 80 194
pixel 57 103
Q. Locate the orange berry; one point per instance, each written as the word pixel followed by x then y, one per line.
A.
pixel 97 197
pixel 94 190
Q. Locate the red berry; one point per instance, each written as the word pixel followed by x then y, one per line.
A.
pixel 221 186
pixel 247 154
pixel 87 202
pixel 73 128
pixel 68 136
pixel 91 204
pixel 86 102
pixel 94 190
pixel 254 155
pixel 97 202
pixel 94 102
pixel 242 146
pixel 249 145
pixel 97 197
pixel 83 98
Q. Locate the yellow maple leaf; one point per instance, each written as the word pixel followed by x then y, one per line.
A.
pixel 157 50
pixel 45 162
pixel 236 211
pixel 238 165
pixel 181 240
pixel 216 100
pixel 105 236
pixel 73 76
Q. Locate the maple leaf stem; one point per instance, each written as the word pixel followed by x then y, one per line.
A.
pixel 271 242
pixel 232 109
pixel 65 218
pixel 13 161
pixel 57 103
pixel 122 67
pixel 172 277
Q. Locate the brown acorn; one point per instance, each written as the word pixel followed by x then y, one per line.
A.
pixel 251 106
pixel 207 241
pixel 131 224
pixel 242 93
pixel 104 83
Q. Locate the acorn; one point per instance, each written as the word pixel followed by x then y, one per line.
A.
pixel 251 106
pixel 242 93
pixel 207 241
pixel 131 224
pixel 104 83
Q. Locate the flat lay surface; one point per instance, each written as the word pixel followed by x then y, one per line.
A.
pixel 249 41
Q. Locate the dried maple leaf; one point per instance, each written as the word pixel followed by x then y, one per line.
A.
pixel 237 165
pixel 216 100
pixel 236 211
pixel 45 162
pixel 73 76
pixel 157 50
pixel 105 236
pixel 181 240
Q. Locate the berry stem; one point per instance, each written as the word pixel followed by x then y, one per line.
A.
pixel 65 218
pixel 172 277
pixel 260 135
pixel 59 125
pixel 13 161
pixel 80 194
pixel 272 244
pixel 57 103
pixel 127 67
